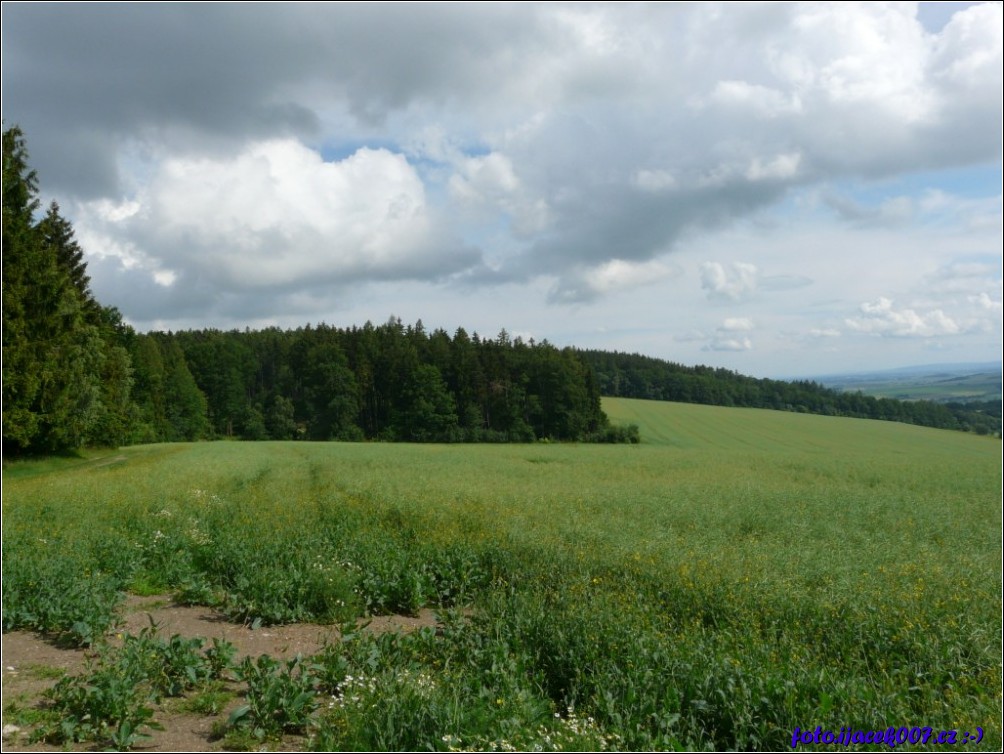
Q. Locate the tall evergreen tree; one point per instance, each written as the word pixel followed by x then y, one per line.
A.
pixel 21 378
pixel 57 233
pixel 52 353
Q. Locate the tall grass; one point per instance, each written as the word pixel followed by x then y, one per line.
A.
pixel 737 575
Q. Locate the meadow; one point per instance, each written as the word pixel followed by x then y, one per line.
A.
pixel 738 574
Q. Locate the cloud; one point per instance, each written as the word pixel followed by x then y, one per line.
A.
pixel 823 332
pixel 892 212
pixel 728 336
pixel 614 276
pixel 983 301
pixel 782 282
pixel 490 182
pixel 734 282
pixel 277 217
pixel 779 168
pixel 969 276
pixel 737 324
pixel 654 180
pixel 880 318
pixel 275 158
pixel 763 101
pixel 723 343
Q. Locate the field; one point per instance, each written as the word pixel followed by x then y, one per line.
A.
pixel 931 386
pixel 739 574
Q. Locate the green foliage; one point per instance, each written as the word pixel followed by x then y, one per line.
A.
pixel 391 383
pixel 110 702
pixel 68 362
pixel 66 381
pixel 103 706
pixel 280 697
pixel 173 666
pixel 52 588
pixel 734 575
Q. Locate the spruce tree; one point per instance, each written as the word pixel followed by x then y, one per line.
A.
pixel 52 353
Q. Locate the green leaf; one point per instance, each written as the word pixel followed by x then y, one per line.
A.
pixel 238 714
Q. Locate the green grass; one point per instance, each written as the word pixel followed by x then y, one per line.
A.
pixel 737 574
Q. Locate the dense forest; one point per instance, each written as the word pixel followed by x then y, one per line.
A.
pixel 636 376
pixel 75 374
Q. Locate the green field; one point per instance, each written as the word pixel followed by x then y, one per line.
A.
pixel 738 574
pixel 983 386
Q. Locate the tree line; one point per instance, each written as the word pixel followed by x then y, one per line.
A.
pixel 75 374
pixel 637 376
pixel 392 382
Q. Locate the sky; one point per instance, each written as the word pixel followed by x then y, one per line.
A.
pixel 780 189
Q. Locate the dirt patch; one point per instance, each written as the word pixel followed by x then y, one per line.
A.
pixel 32 664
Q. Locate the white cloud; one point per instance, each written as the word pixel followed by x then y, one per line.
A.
pixel 967 53
pixel 782 167
pixel 737 324
pixel 763 101
pixel 880 318
pixel 610 277
pixel 490 181
pixel 728 283
pixel 983 301
pixel 727 336
pixel 618 274
pixel 277 215
pixel 823 332
pixel 165 278
pixel 723 343
pixel 484 178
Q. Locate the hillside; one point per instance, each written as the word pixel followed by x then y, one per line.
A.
pixel 726 429
pixel 621 375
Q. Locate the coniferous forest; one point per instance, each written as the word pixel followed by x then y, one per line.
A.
pixel 75 374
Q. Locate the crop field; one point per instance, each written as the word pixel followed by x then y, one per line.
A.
pixel 738 575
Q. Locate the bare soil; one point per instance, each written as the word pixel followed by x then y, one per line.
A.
pixel 32 664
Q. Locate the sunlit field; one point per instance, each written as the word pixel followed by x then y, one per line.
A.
pixel 739 574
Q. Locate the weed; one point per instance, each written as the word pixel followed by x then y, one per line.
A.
pixel 103 706
pixel 280 697
pixel 42 672
pixel 210 700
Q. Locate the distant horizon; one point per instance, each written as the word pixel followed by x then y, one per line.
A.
pixel 768 188
pixel 992 366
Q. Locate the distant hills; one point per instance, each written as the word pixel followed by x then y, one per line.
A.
pixel 942 383
pixel 621 375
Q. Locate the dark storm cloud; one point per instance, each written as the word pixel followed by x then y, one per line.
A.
pixel 82 78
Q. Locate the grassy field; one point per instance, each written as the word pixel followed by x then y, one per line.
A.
pixel 739 574
pixel 983 386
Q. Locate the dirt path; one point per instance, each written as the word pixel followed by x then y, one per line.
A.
pixel 32 664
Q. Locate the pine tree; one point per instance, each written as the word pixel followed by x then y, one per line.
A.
pixel 52 352
pixel 57 233
pixel 21 378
